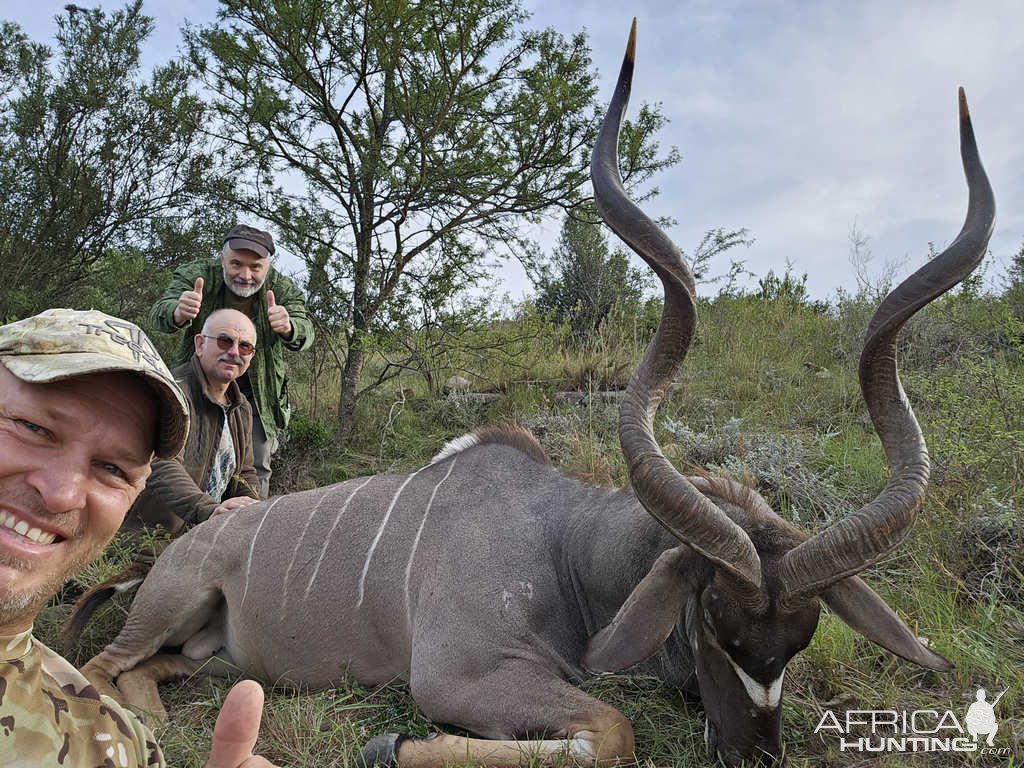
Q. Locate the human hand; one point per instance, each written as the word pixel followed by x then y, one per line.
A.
pixel 237 728
pixel 280 323
pixel 236 502
pixel 189 303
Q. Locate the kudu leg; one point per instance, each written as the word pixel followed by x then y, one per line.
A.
pixel 526 699
pixel 443 749
pixel 139 685
pixel 157 617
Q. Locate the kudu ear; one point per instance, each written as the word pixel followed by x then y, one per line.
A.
pixel 645 620
pixel 865 612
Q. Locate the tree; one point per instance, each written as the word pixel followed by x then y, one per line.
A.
pixel 714 243
pixel 386 138
pixel 1014 284
pixel 786 288
pixel 873 287
pixel 584 279
pixel 96 165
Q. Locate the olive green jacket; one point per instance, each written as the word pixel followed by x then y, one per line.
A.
pixel 267 372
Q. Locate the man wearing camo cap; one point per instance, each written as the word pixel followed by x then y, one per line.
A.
pixel 85 404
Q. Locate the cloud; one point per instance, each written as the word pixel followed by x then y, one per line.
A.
pixel 794 120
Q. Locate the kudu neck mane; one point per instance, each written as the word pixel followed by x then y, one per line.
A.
pixel 515 437
pixel 771 533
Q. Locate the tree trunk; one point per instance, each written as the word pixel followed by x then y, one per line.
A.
pixel 349 383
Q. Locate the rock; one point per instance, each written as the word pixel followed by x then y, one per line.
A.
pixel 456 384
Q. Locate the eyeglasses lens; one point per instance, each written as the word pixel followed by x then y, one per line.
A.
pixel 225 343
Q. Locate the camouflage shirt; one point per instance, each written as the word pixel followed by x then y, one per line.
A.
pixel 51 716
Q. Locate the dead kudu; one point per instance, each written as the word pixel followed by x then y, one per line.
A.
pixel 490 582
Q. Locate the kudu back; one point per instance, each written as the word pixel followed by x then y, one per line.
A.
pixel 491 582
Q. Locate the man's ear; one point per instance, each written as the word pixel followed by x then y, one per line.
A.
pixel 198 342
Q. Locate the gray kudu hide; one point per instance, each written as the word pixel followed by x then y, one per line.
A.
pixel 491 582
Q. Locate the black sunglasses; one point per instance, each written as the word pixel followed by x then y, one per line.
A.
pixel 225 343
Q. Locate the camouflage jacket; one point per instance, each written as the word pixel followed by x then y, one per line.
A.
pixel 51 716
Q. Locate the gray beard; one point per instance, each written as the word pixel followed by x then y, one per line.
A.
pixel 242 293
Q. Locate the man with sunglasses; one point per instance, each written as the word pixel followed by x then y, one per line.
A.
pixel 243 277
pixel 214 471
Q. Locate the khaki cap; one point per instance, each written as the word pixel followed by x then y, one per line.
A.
pixel 63 343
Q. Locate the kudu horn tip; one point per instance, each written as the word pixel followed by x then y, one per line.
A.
pixel 965 112
pixel 631 43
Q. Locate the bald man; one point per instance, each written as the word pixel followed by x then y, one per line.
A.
pixel 214 471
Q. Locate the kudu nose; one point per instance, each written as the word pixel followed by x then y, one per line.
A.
pixel 735 758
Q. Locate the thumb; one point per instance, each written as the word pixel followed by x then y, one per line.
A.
pixel 238 726
pixel 198 288
pixel 270 300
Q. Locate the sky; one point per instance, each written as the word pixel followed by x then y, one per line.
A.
pixel 795 120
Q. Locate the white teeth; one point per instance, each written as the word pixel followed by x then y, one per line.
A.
pixel 7 520
pixel 39 537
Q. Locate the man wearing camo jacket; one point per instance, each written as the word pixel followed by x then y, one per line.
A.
pixel 85 403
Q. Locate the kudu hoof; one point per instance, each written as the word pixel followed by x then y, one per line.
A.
pixel 382 750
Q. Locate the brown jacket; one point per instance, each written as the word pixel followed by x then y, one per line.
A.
pixel 172 497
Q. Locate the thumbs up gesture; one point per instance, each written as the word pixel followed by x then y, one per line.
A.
pixel 237 728
pixel 280 323
pixel 189 303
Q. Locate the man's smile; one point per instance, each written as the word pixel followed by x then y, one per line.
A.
pixel 31 534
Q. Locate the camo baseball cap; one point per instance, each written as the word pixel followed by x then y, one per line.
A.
pixel 63 343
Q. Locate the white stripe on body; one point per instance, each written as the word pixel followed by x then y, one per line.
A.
pixel 252 548
pixel 327 540
pixel 212 545
pixel 416 542
pixel 295 552
pixel 188 549
pixel 380 533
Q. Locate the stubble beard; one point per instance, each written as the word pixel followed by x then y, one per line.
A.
pixel 19 604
